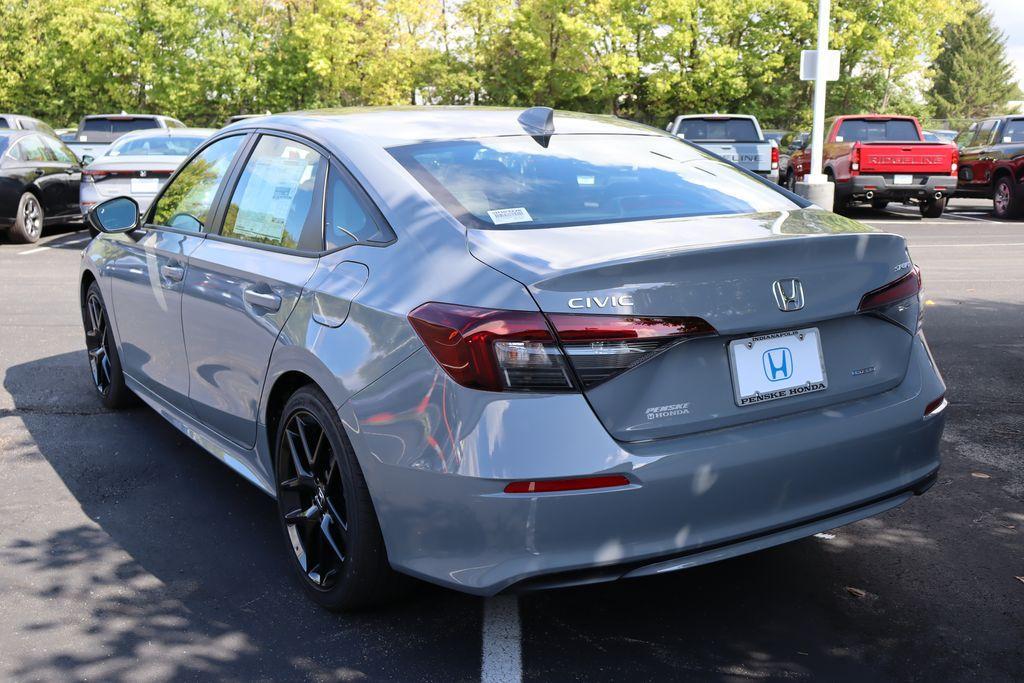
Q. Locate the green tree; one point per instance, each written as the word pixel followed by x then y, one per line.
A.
pixel 973 77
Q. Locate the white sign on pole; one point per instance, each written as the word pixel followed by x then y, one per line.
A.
pixel 809 65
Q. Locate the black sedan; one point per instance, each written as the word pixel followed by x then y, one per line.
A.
pixel 39 178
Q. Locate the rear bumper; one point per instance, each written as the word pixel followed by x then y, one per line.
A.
pixel 882 187
pixel 437 471
pixel 769 175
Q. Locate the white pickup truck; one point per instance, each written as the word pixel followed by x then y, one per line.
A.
pixel 735 137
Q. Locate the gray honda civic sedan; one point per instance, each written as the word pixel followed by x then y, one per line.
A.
pixel 505 349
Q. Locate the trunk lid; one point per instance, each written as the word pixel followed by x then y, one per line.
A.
pixel 906 157
pixel 753 156
pixel 720 269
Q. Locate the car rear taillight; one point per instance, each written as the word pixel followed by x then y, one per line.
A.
pixel 602 346
pixel 775 157
pixel 855 160
pixel 518 351
pixel 493 350
pixel 574 484
pixel 899 301
pixel 955 163
pixel 936 406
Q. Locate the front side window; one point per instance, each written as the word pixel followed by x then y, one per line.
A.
pixel 515 182
pixel 868 130
pixel 188 199
pixel 273 201
pixel 985 132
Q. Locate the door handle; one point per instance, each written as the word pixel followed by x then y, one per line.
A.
pixel 267 300
pixel 38 171
pixel 172 273
pixel 70 171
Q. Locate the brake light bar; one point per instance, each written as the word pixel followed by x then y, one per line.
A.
pixel 574 484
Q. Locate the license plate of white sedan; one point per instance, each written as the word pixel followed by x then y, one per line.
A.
pixel 902 179
pixel 777 365
pixel 145 185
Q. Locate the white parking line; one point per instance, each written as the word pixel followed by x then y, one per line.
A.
pixel 502 657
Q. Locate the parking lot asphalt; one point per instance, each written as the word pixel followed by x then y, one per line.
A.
pixel 126 553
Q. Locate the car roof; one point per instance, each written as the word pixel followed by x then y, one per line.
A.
pixel 125 115
pixel 166 133
pixel 393 126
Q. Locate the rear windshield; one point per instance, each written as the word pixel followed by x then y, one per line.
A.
pixel 728 130
pixel 864 130
pixel 4 123
pixel 516 182
pixel 118 125
pixel 155 145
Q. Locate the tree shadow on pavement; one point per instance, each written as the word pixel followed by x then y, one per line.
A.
pixel 178 569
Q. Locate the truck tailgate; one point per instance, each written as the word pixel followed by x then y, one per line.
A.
pixel 906 157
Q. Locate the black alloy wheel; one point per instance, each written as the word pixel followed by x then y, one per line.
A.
pixel 313 496
pixel 104 363
pixel 328 519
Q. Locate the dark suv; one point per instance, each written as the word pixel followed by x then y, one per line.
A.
pixel 992 164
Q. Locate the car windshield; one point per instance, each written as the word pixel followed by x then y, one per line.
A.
pixel 521 182
pixel 867 130
pixel 118 125
pixel 155 145
pixel 727 130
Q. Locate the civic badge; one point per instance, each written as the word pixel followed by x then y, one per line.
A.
pixel 789 294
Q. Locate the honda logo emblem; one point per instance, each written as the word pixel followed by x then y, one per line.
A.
pixel 789 294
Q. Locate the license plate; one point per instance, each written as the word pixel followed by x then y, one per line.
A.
pixel 777 365
pixel 145 185
pixel 902 179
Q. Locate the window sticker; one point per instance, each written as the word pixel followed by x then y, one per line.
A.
pixel 504 216
pixel 584 180
pixel 839 138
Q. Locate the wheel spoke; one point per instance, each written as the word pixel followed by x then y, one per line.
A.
pixel 300 468
pixel 327 533
pixel 303 517
pixel 300 482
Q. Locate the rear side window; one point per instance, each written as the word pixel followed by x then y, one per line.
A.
pixel 1014 132
pixel 731 130
pixel 515 182
pixel 273 202
pixel 33 149
pixel 4 123
pixel 187 200
pixel 865 130
pixel 60 152
pixel 347 219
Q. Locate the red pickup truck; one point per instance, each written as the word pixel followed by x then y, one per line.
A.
pixel 878 159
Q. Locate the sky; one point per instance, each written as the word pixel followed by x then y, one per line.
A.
pixel 1010 19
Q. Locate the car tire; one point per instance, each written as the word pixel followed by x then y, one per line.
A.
pixel 879 204
pixel 791 182
pixel 839 204
pixel 104 362
pixel 932 208
pixel 28 222
pixel 1006 199
pixel 328 520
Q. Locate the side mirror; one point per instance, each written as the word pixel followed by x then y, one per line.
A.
pixel 87 159
pixel 120 214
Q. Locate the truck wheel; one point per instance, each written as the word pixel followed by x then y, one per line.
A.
pixel 932 208
pixel 879 204
pixel 839 204
pixel 1006 199
pixel 791 182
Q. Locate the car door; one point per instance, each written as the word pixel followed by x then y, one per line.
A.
pixel 147 272
pixel 243 283
pixel 42 170
pixel 976 164
pixel 71 176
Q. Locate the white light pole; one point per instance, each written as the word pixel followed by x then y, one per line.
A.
pixel 818 129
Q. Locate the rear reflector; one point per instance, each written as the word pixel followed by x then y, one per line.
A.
pixel 576 484
pixel 935 405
